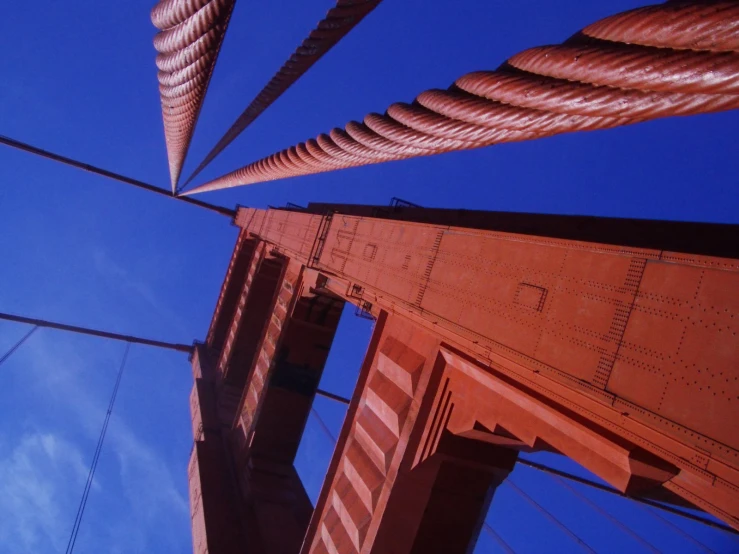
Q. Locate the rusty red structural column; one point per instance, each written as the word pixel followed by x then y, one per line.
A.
pixel 678 58
pixel 339 20
pixel 191 35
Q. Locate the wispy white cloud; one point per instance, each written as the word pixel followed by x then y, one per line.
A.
pixel 119 277
pixel 39 474
pixel 148 482
pixel 43 473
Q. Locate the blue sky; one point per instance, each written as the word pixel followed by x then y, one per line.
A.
pixel 79 78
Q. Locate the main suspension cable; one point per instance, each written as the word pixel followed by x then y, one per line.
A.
pixel 190 38
pixel 678 58
pixel 339 20
pixel 96 456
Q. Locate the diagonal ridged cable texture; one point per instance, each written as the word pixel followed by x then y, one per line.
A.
pixel 678 58
pixel 191 35
pixel 339 20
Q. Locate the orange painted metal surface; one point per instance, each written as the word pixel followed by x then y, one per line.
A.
pixel 216 525
pixel 228 300
pixel 255 380
pixel 376 498
pixel 640 342
pixel 487 343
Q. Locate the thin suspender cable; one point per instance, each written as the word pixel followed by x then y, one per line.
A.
pixel 332 396
pixel 109 174
pixel 323 425
pixel 18 344
pixel 677 529
pixel 607 515
pixel 546 513
pixel 504 545
pixel 96 456
pixel 610 490
pixel 95 332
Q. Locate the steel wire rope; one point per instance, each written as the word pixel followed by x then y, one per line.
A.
pixel 96 456
pixel 190 38
pixel 643 507
pixel 95 332
pixel 547 514
pixel 118 336
pixel 677 58
pixel 25 147
pixel 611 490
pixel 323 425
pixel 497 538
pixel 610 517
pixel 676 528
pixel 339 21
pixel 18 344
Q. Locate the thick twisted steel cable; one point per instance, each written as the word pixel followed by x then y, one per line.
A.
pixel 339 20
pixel 678 58
pixel 182 35
pixel 169 13
pixel 628 66
pixel 698 26
pixel 178 60
pixel 191 35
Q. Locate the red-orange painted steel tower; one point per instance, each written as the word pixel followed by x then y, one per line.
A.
pixel 613 342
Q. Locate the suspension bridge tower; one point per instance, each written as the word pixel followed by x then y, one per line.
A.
pixel 612 342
